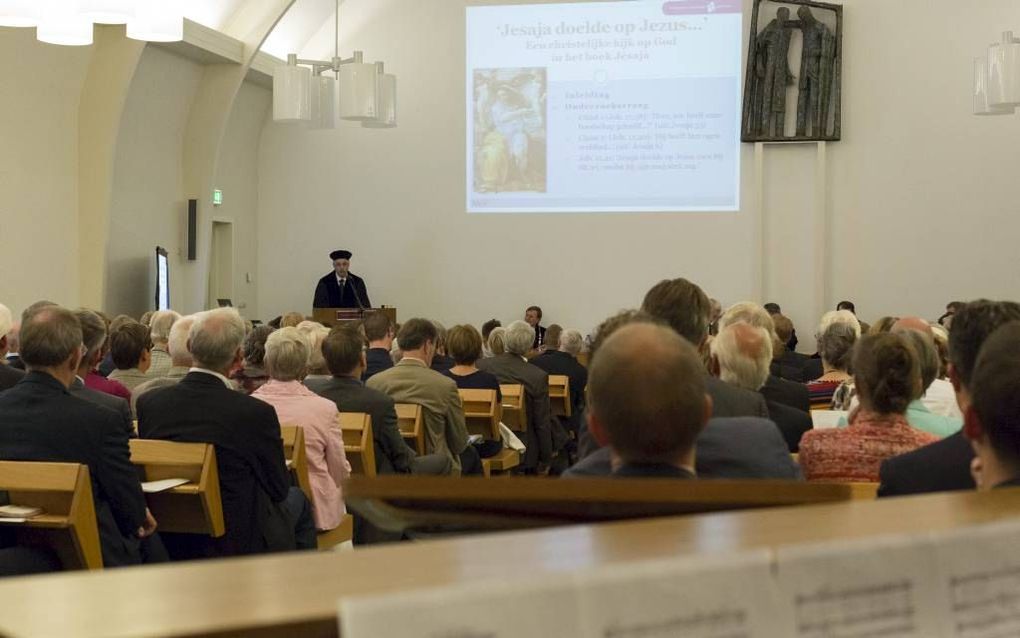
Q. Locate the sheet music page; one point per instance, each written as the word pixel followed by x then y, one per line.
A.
pixel 980 580
pixel 883 587
pixel 545 605
pixel 721 596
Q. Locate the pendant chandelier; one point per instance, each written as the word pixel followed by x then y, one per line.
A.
pixel 70 22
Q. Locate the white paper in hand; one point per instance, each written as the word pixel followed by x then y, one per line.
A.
pixel 694 597
pixel 483 609
pixel 856 589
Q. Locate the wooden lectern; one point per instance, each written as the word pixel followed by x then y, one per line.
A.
pixel 334 316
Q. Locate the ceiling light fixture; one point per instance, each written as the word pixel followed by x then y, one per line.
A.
pixel 70 22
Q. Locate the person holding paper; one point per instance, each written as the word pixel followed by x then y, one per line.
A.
pixel 991 422
pixel 647 401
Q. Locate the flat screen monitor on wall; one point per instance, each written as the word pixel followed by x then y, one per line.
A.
pixel 162 279
pixel 604 106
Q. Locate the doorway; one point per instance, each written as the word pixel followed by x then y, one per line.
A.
pixel 221 263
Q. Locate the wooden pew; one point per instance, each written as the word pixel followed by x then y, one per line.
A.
pixel 356 428
pixel 193 508
pixel 67 524
pixel 482 414
pixel 411 424
pixel 398 503
pixel 515 414
pixel 244 597
pixel 296 454
pixel 864 491
pixel 559 395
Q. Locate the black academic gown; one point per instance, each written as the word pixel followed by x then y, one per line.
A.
pixel 329 295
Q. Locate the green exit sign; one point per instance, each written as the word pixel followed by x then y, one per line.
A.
pixel 217 197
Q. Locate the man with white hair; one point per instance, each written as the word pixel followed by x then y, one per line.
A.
pixel 262 512
pixel 562 360
pixel 180 359
pixel 8 375
pixel 743 354
pixel 160 325
pixel 513 367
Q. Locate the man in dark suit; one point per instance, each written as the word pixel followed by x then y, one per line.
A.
pixel 742 352
pixel 648 401
pixel 945 466
pixel 262 512
pixel 41 421
pixel 533 317
pixel 341 288
pixel 512 367
pixel 685 308
pixel 346 360
pixel 563 361
pixel 379 332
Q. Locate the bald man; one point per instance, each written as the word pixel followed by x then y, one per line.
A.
pixel 648 401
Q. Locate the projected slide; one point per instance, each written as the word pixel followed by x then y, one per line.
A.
pixel 604 106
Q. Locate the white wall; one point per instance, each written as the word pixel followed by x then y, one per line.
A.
pixel 921 194
pixel 38 169
pixel 149 205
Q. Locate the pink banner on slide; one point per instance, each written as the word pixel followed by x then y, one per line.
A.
pixel 700 7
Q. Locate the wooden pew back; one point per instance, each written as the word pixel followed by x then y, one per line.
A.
pixel 296 454
pixel 559 395
pixel 481 412
pixel 411 423
pixel 67 524
pixel 193 508
pixel 515 414
pixel 356 428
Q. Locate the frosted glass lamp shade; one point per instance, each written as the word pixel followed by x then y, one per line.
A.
pixel 359 92
pixel 323 102
pixel 156 21
pixel 1004 72
pixel 19 13
pixel 292 94
pixel 64 25
pixel 387 106
pixel 108 11
pixel 982 106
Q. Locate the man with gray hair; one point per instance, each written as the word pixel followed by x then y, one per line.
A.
pixel 261 511
pixel 8 375
pixel 743 354
pixel 562 360
pixel 180 359
pixel 160 325
pixel 93 332
pixel 41 421
pixel 513 367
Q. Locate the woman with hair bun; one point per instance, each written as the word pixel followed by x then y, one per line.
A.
pixel 887 374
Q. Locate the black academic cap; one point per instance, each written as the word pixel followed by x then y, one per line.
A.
pixel 340 254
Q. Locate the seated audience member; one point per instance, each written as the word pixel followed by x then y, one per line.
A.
pixel 945 466
pixel 884 324
pixel 775 389
pixel 552 337
pixel 465 346
pixel 441 361
pixel 993 418
pixel 684 307
pixel 261 511
pixel 343 349
pixel 252 374
pixel 146 318
pixel 412 381
pixel 562 360
pixel 291 320
pixel 379 333
pixel 941 397
pixel 918 413
pixel 93 333
pixel 715 312
pixel 316 333
pixel 837 334
pixel 888 378
pixel 946 320
pixel 159 329
pixel 131 348
pixel 734 448
pixel 8 375
pixel 533 317
pixel 497 341
pixel 791 343
pixel 487 329
pixel 512 367
pixel 286 361
pixel 848 306
pixel 648 401
pixel 786 363
pixel 97 380
pixel 180 359
pixel 13 358
pixel 743 353
pixel 41 421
